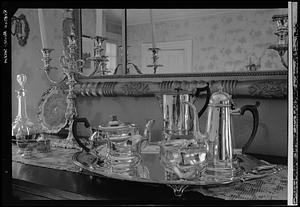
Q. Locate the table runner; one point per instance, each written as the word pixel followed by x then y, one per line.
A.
pixel 273 187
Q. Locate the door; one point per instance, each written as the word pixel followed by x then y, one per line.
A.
pixel 175 57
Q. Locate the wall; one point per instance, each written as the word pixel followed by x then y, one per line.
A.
pixel 27 60
pixel 272 134
pixel 271 137
pixel 223 42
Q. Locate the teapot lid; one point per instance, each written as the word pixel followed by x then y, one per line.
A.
pixel 220 98
pixel 115 124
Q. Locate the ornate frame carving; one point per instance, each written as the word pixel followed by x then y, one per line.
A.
pixel 271 84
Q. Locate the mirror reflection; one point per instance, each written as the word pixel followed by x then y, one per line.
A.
pixel 203 40
pixel 172 41
pixel 106 23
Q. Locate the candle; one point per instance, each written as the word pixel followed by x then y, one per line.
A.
pixel 153 29
pixel 42 28
pixel 99 21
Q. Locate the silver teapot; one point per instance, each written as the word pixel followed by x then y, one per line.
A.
pixel 118 144
pixel 219 130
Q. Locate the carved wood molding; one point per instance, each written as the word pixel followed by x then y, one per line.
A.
pixel 261 88
pixel 188 75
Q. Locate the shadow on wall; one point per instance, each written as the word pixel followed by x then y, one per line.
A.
pixel 271 137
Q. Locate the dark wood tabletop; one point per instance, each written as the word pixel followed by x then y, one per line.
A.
pixel 31 182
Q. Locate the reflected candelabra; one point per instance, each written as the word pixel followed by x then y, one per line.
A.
pixel 70 67
pixel 155 57
pixel 282 33
pixel 99 58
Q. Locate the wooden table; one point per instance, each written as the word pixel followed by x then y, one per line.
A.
pixel 36 180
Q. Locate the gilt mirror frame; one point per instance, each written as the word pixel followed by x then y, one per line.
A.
pixel 257 84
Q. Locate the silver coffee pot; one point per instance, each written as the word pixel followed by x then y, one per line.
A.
pixel 219 129
pixel 177 116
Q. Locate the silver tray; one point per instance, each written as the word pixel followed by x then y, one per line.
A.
pixel 151 171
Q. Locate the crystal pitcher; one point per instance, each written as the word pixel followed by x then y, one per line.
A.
pixel 185 158
pixel 177 116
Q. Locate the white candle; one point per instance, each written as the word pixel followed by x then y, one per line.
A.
pixel 99 20
pixel 153 30
pixel 42 28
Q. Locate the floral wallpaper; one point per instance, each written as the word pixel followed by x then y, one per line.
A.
pixel 223 42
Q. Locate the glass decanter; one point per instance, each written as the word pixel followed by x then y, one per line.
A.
pixel 23 130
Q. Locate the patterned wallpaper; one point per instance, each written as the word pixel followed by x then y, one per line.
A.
pixel 223 42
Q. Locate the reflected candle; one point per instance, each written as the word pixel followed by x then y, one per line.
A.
pixel 42 28
pixel 153 29
pixel 99 22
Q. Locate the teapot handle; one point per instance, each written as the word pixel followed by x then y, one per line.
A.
pixel 208 93
pixel 74 131
pixel 254 111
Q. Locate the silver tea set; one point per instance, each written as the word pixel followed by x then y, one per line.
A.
pixel 185 152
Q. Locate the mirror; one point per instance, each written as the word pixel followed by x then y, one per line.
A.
pixel 106 23
pixel 204 40
pixel 189 40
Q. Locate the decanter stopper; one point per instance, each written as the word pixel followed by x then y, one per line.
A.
pixel 21 78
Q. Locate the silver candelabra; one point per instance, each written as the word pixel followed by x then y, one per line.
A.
pixel 70 66
pixel 99 58
pixel 282 33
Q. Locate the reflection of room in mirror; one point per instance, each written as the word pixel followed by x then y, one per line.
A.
pixel 87 52
pixel 111 53
pixel 222 39
pixel 110 27
pixel 175 57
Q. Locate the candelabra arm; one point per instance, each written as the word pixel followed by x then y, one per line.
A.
pixel 93 73
pixel 136 68
pixel 47 67
pixel 55 82
pixel 117 68
pixel 283 62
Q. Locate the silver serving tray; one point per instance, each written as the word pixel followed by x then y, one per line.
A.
pixel 151 171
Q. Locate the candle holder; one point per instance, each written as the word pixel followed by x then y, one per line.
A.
pixel 70 66
pixel 47 67
pixel 282 33
pixel 154 59
pixel 99 58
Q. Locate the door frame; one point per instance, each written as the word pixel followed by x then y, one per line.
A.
pixel 185 45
